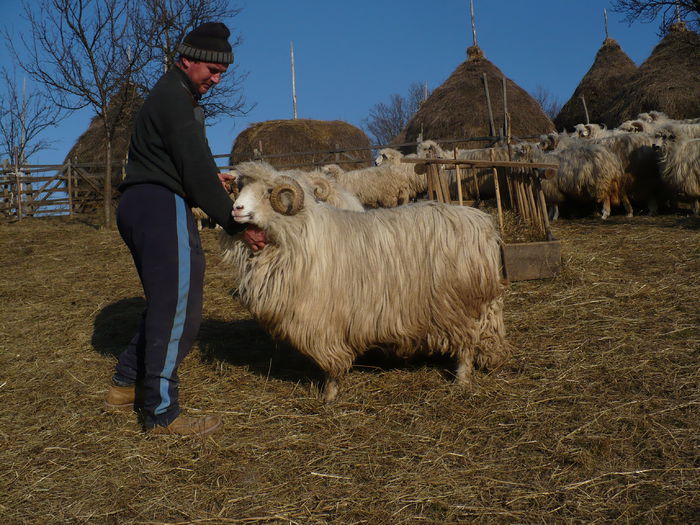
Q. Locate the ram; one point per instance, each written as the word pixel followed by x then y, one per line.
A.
pixel 425 277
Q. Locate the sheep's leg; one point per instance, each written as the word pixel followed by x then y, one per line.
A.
pixel 330 388
pixel 606 208
pixel 696 207
pixel 553 212
pixel 653 206
pixel 465 369
pixel 628 205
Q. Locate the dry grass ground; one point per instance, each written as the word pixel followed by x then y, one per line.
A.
pixel 594 420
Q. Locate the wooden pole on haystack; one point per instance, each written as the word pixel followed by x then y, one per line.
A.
pixel 294 80
pixel 471 10
pixel 492 125
pixel 605 15
pixel 585 109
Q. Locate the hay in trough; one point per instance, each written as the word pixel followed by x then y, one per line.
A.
pixel 458 108
pixel 594 419
pixel 668 81
pixel 276 140
pixel 610 72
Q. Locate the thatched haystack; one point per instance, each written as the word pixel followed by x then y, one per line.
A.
pixel 458 108
pixel 90 150
pixel 668 81
pixel 91 146
pixel 277 140
pixel 609 74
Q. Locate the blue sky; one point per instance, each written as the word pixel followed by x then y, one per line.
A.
pixel 352 55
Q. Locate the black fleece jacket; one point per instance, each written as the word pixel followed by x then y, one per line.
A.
pixel 169 147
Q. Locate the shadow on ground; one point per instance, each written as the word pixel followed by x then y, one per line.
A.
pixel 116 324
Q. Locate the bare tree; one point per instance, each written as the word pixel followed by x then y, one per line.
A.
pixel 548 102
pixel 668 10
pixel 24 115
pixel 168 21
pixel 386 121
pixel 85 52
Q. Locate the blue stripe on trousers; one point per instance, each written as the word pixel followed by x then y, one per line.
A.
pixel 183 256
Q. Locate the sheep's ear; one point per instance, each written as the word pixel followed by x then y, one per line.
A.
pixel 287 197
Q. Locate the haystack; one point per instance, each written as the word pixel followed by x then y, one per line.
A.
pixel 91 146
pixel 302 143
pixel 458 108
pixel 609 74
pixel 668 81
pixel 89 154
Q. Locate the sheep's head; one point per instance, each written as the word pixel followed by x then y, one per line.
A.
pixel 264 193
pixel 645 117
pixel 657 116
pixel 581 130
pixel 549 142
pixel 428 148
pixel 388 155
pixel 331 170
pixel 663 138
pixel 632 126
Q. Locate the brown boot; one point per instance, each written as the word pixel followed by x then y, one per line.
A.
pixel 120 398
pixel 188 426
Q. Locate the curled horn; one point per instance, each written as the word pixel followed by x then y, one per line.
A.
pixel 322 188
pixel 637 126
pixel 287 197
pixel 420 168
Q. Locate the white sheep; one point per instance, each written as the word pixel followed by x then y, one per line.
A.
pixel 680 168
pixel 383 186
pixel 425 277
pixel 588 172
pixel 417 181
pixel 640 165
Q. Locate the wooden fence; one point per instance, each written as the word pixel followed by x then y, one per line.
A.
pixel 41 190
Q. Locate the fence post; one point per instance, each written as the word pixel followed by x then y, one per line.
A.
pixel 69 172
pixel 19 195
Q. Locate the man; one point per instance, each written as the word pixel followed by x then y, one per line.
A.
pixel 170 169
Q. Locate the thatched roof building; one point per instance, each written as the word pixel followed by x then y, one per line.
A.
pixel 276 140
pixel 458 108
pixel 609 74
pixel 668 81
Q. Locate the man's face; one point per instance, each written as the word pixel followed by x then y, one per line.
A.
pixel 203 74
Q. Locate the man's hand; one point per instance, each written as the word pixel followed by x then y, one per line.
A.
pixel 255 238
pixel 227 179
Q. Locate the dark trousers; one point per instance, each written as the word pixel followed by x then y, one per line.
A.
pixel 158 227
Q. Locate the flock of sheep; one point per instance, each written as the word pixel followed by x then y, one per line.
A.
pixel 644 164
pixel 353 262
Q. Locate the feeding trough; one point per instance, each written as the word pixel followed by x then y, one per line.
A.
pixel 539 259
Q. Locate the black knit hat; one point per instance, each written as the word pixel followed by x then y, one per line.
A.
pixel 208 43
